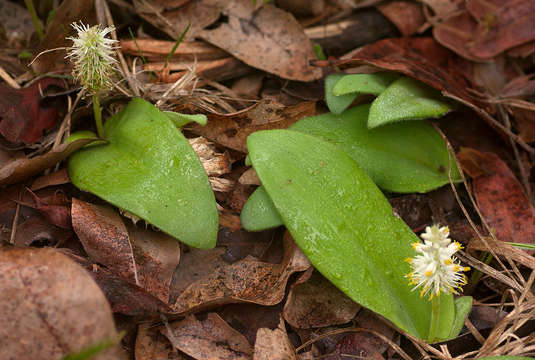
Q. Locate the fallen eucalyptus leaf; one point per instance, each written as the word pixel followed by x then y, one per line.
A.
pixel 406 99
pixel 149 169
pixel 342 222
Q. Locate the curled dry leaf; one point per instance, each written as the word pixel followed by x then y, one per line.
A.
pixel 23 169
pixel 247 280
pixel 50 307
pixel 105 238
pixel 499 196
pixel 214 163
pixel 232 130
pixel 208 338
pixel 24 119
pixel 273 344
pixel 159 50
pixel 265 37
pixel 318 303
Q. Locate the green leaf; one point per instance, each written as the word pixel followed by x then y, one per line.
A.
pixel 402 158
pixel 182 119
pixel 342 222
pixel 463 305
pixel 445 317
pixel 336 104
pixel 364 83
pixel 259 213
pixel 406 99
pixel 149 169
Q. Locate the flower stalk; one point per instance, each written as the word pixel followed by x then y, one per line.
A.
pixel 435 270
pixel 92 56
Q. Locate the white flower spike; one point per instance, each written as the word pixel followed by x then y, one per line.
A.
pixel 435 269
pixel 92 55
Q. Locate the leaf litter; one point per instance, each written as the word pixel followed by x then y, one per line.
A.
pixel 249 67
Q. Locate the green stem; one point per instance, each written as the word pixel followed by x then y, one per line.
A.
pixel 98 116
pixel 435 319
pixel 35 19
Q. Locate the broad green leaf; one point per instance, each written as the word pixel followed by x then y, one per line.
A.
pixel 342 222
pixel 406 99
pixel 463 305
pixel 336 104
pixel 149 169
pixel 403 158
pixel 182 119
pixel 364 83
pixel 259 213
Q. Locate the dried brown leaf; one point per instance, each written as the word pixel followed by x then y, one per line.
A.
pixel 208 338
pixel 157 256
pixel 23 169
pixel 151 344
pixel 406 15
pixel 232 130
pixel 50 306
pixel 105 238
pixel 273 344
pixel 500 197
pixel 247 280
pixel 173 21
pixel 124 297
pixel 267 38
pixel 318 303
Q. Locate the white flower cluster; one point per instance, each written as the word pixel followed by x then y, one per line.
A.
pixel 435 269
pixel 92 55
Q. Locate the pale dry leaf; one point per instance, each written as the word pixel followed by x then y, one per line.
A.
pixel 50 307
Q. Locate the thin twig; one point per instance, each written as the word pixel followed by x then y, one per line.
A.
pixel 8 79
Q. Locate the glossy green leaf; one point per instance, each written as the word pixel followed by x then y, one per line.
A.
pixel 149 169
pixel 336 104
pixel 463 305
pixel 403 158
pixel 406 99
pixel 342 222
pixel 364 83
pixel 259 213
pixel 182 119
